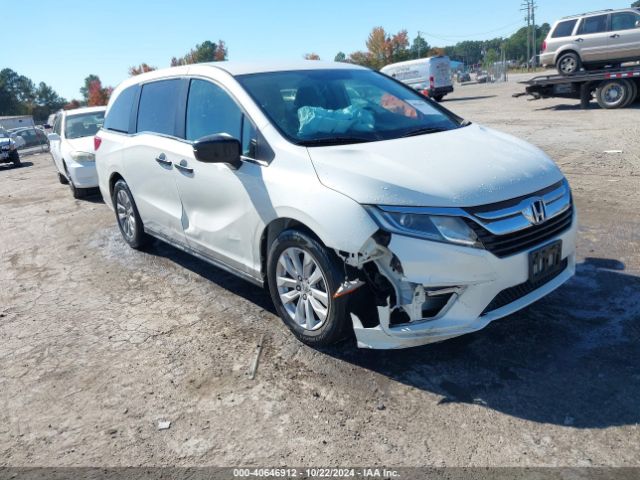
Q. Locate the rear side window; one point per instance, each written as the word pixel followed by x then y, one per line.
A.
pixel 564 29
pixel 120 112
pixel 624 21
pixel 597 24
pixel 158 105
pixel 211 110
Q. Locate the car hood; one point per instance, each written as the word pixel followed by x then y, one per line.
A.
pixel 82 144
pixel 465 167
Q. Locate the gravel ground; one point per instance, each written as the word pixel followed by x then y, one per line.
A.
pixel 98 343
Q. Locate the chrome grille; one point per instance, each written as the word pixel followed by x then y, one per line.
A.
pixel 507 228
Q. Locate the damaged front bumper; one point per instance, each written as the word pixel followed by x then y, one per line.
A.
pixel 441 291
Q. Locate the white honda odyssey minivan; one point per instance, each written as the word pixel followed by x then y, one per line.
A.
pixel 362 205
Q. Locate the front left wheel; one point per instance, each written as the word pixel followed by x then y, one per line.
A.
pixel 303 276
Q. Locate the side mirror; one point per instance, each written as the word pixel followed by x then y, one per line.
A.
pixel 218 149
pixel 53 137
pixel 47 126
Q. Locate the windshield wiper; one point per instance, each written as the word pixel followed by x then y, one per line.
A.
pixel 318 142
pixel 424 131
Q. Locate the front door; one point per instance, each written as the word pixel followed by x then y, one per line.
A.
pixel 221 205
pixel 625 35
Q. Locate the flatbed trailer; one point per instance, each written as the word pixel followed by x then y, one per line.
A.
pixel 612 87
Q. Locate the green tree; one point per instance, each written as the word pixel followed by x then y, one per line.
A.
pixel 311 56
pixel 47 101
pixel 636 4
pixel 419 48
pixel 19 96
pixel 340 57
pixel 206 51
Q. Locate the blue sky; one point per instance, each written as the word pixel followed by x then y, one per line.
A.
pixel 61 43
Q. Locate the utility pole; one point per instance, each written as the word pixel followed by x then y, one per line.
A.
pixel 533 25
pixel 529 6
pixel 419 44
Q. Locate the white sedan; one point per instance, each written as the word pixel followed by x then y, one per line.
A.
pixel 72 147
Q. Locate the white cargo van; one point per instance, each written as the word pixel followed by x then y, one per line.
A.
pixel 430 76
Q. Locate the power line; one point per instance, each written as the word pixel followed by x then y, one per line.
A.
pixel 455 37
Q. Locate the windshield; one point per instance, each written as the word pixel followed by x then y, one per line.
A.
pixel 83 125
pixel 324 107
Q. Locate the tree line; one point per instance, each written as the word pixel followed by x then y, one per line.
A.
pixel 384 48
pixel 19 95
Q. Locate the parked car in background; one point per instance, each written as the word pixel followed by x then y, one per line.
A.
pixel 8 149
pixel 32 136
pixel 430 76
pixel 462 77
pixel 592 40
pixel 360 203
pixel 71 146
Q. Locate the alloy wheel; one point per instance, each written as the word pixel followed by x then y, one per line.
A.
pixel 126 214
pixel 302 287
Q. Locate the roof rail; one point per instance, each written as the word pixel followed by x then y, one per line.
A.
pixel 589 13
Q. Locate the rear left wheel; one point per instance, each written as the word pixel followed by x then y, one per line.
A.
pixel 568 63
pixel 303 276
pixel 128 218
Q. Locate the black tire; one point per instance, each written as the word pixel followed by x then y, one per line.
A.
pixel 335 325
pixel 62 179
pixel 134 236
pixel 14 156
pixel 75 191
pixel 438 98
pixel 568 63
pixel 612 94
pixel 633 96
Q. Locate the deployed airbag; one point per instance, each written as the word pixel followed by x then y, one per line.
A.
pixel 320 120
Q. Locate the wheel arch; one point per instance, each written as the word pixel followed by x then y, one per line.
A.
pixel 565 50
pixel 115 176
pixel 275 228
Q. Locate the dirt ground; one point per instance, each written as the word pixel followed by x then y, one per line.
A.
pixel 99 342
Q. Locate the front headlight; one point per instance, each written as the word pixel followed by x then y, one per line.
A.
pixel 440 228
pixel 82 156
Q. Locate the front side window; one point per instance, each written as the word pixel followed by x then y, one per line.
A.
pixel 318 107
pixel 624 21
pixel 158 105
pixel 210 110
pixel 120 112
pixel 597 24
pixel 83 124
pixel 564 29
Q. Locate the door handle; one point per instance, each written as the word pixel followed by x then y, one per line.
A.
pixel 615 35
pixel 580 40
pixel 162 160
pixel 182 166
